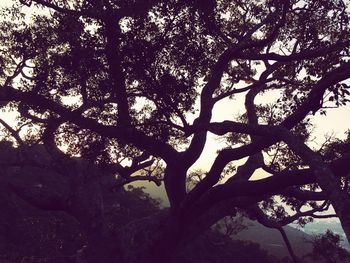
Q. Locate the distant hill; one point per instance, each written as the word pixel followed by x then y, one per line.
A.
pixel 321 226
pixel 271 239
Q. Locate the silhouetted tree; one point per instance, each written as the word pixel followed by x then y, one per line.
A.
pixel 53 236
pixel 118 82
pixel 327 247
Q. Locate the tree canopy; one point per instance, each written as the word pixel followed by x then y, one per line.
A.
pixel 130 87
pixel 328 248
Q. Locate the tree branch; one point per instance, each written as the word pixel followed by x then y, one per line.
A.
pixel 13 132
pixel 128 134
pixel 298 56
pixel 89 13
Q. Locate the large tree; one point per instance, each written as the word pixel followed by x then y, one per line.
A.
pixel 131 85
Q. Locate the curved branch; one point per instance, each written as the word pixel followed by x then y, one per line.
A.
pixel 302 55
pixel 131 179
pixel 265 221
pixel 313 101
pixel 288 244
pixel 90 13
pixel 128 134
pixel 13 132
pixel 116 74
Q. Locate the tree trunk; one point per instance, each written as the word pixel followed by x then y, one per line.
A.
pixel 288 244
pixel 151 239
pixel 100 249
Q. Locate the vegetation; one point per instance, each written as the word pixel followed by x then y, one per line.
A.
pixel 327 247
pixel 55 237
pixel 130 88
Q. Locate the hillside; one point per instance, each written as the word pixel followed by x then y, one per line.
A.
pixel 320 227
pixel 271 239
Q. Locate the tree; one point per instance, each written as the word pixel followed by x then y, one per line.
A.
pixel 117 82
pixel 53 236
pixel 327 247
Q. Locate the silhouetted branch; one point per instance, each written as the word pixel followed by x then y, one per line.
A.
pixel 13 132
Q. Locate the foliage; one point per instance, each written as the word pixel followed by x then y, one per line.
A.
pixel 327 247
pixel 54 236
pixel 131 88
pixel 214 248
